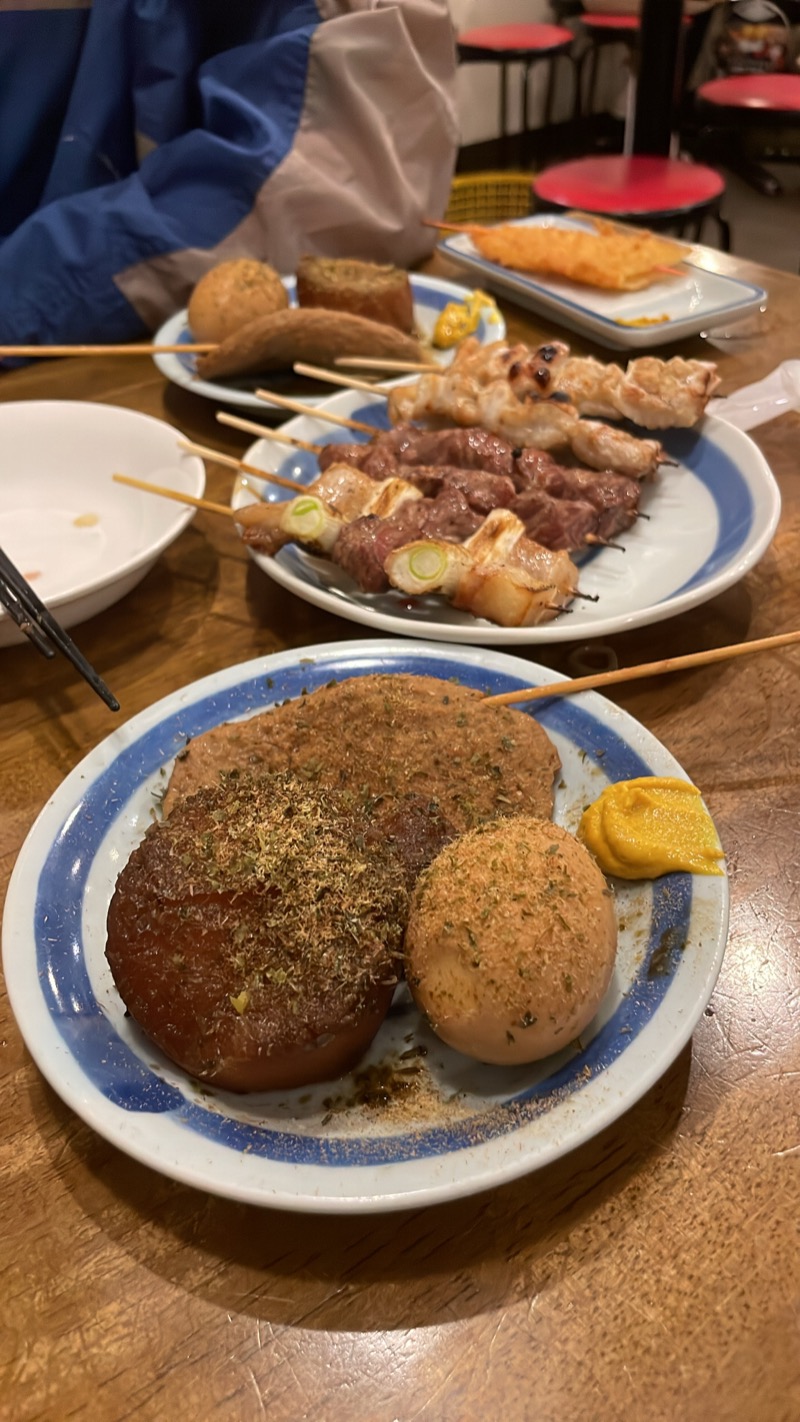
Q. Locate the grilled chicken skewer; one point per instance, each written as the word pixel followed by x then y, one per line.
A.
pixel 657 394
pixel 549 424
pixel 487 575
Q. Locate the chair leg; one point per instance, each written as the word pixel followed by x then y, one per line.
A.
pixel 551 88
pixel 724 231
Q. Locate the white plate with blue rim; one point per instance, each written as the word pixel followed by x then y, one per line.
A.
pixel 671 309
pixel 464 1127
pixel 710 518
pixel 431 295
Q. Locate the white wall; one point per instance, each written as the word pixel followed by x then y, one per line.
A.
pixel 478 85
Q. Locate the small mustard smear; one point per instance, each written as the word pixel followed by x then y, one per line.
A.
pixel 641 320
pixel 641 829
pixel 460 319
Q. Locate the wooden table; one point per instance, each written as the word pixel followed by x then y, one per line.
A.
pixel 653 1273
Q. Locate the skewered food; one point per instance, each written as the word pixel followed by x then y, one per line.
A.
pixel 487 575
pixel 233 294
pixel 398 452
pixel 511 941
pixel 407 444
pixel 384 737
pixel 252 938
pixel 309 334
pixel 612 496
pixel 657 394
pixel 397 515
pixel 610 257
pixel 381 293
pixel 456 397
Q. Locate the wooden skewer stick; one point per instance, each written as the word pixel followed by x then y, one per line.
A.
pixel 241 465
pixel 175 494
pixel 135 348
pixel 670 664
pixel 468 227
pixel 265 432
pixel 314 414
pixel 317 372
pixel 382 363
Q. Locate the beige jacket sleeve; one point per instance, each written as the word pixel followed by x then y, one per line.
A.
pixel 373 154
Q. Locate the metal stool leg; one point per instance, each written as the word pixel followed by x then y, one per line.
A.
pixel 724 230
pixel 551 88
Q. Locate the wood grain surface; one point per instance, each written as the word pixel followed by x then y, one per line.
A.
pixel 652 1274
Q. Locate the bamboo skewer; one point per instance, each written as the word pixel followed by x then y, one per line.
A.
pixel 265 432
pixel 670 664
pixel 332 377
pixel 241 465
pixel 134 348
pixel 326 415
pixel 383 363
pixel 174 494
pixel 468 227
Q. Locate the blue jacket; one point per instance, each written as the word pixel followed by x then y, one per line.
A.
pixel 143 141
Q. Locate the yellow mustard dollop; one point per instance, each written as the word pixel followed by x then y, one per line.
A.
pixel 460 319
pixel 640 829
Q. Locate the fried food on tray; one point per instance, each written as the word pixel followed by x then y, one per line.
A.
pixel 308 334
pixel 610 257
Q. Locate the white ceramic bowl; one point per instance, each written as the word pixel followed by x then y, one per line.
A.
pixel 81 539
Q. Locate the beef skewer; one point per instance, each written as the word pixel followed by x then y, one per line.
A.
pixel 557 524
pixel 480 582
pixel 403 450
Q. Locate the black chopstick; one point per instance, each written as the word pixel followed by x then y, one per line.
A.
pixel 15 610
pixel 33 618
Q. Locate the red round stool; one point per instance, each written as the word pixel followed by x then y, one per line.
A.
pixel 769 96
pixel 743 101
pixel 517 44
pixel 656 192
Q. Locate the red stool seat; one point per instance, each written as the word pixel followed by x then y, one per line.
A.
pixel 777 93
pixel 601 21
pixel 516 41
pixel 609 20
pixel 630 187
pixel 517 44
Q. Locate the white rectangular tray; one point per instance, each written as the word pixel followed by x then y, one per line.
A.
pixel 696 300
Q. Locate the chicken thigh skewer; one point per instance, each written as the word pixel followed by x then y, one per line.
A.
pixel 456 398
pixel 657 394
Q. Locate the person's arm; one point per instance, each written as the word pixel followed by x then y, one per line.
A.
pixel 338 144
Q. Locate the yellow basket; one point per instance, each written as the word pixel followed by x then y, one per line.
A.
pixel 489 197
